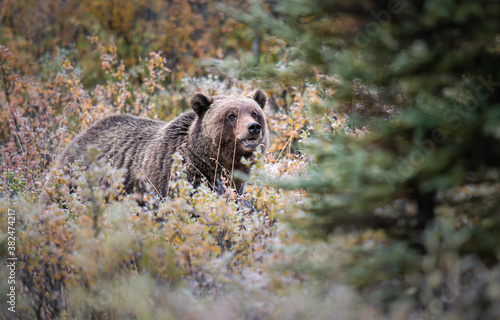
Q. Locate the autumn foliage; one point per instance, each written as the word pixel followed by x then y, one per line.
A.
pixel 74 252
pixel 352 213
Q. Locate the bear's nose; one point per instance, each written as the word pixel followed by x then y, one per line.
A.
pixel 254 128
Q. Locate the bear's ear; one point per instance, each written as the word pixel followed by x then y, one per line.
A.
pixel 200 103
pixel 259 96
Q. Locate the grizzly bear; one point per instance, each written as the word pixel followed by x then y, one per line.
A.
pixel 213 139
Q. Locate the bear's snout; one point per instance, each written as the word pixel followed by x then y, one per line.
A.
pixel 254 128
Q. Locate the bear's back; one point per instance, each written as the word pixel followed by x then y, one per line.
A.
pixel 118 137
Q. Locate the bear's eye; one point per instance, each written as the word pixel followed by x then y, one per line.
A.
pixel 254 115
pixel 231 117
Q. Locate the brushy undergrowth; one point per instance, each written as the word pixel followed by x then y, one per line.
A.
pixel 198 255
pixel 96 253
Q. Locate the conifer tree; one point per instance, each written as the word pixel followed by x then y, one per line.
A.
pixel 436 64
pixel 428 175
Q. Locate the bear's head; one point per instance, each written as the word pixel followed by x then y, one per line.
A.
pixel 234 125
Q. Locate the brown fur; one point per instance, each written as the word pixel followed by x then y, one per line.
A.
pixel 208 140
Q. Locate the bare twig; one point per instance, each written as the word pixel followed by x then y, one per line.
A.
pixel 290 139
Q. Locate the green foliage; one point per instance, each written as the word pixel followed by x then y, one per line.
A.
pixel 430 66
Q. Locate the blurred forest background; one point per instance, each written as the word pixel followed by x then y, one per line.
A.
pixel 379 198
